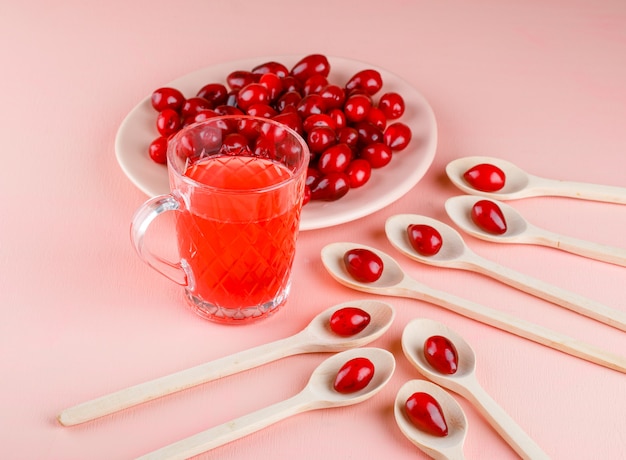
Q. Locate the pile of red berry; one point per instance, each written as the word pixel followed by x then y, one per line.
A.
pixel 347 131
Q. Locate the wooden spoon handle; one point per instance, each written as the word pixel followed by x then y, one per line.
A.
pixel 589 249
pixel 235 429
pixel 549 292
pixel 178 381
pixel 580 190
pixel 531 331
pixel 502 422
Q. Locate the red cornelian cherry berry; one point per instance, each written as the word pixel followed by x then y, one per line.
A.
pixel 357 107
pixel 368 80
pixel 253 93
pixel 368 133
pixel 392 105
pixel 377 154
pixel 397 136
pixel 310 105
pixel 317 120
pixel 441 354
pixel 334 96
pixel 339 118
pixel 425 413
pixel 334 159
pixel 240 78
pixel 158 150
pixel 363 265
pixel 314 84
pixel 194 105
pixel 215 93
pixel 354 375
pixel 487 215
pixel 359 172
pixel 377 118
pixel 168 122
pixel 291 119
pixel 274 85
pixel 425 239
pixel 274 67
pixel 321 138
pixel 261 110
pixel 331 187
pixel 485 177
pixel 348 136
pixel 349 321
pixel 167 98
pixel 309 66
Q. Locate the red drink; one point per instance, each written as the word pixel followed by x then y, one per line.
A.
pixel 236 240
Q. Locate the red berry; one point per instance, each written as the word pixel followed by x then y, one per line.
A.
pixel 317 120
pixel 359 172
pixel 314 84
pixel 253 93
pixel 397 136
pixel 291 119
pixel 368 80
pixel 321 138
pixel 234 142
pixel 310 105
pixel 368 133
pixel 334 96
pixel 167 98
pixel 334 159
pixel 349 321
pixel 425 413
pixel 194 105
pixel 354 375
pixel 488 216
pixel 485 177
pixel 392 105
pixel 240 78
pixel 377 118
pixel 215 93
pixel 338 117
pixel 158 150
pixel 290 98
pixel 348 136
pixel 273 83
pixel 357 107
pixel 168 122
pixel 261 110
pixel 331 187
pixel 309 66
pixel 274 67
pixel 426 240
pixel 441 354
pixel 376 154
pixel 363 265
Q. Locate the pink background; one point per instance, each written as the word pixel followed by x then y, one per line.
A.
pixel 538 83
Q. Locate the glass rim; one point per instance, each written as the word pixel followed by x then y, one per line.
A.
pixel 303 165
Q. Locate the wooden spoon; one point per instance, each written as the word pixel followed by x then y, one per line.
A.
pixel 395 282
pixel 449 447
pixel 464 382
pixel 520 184
pixel 318 394
pixel 520 231
pixel 454 253
pixel 316 337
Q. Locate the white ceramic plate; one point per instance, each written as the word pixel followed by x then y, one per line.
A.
pixel 386 185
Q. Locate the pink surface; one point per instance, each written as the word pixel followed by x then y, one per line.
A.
pixel 538 83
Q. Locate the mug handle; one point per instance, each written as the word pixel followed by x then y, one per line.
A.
pixel 140 222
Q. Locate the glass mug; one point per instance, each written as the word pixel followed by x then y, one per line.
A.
pixel 237 185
